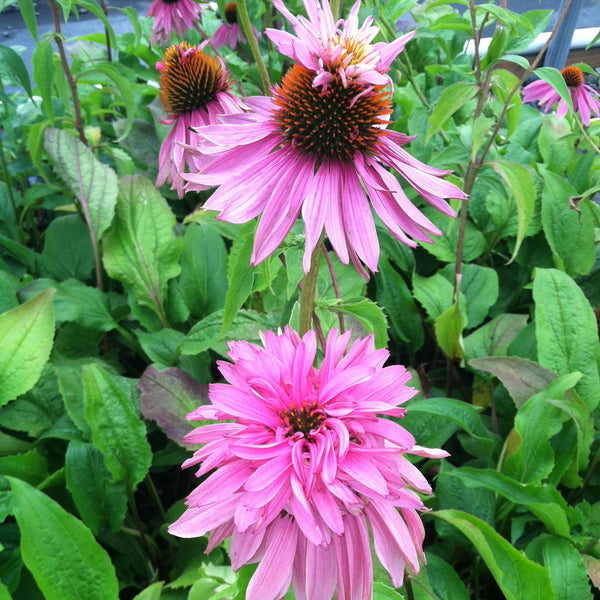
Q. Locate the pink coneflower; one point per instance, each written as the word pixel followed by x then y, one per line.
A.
pixel 173 17
pixel 230 33
pixel 194 90
pixel 303 462
pixel 320 146
pixel 585 98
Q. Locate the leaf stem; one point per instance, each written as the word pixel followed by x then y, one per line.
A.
pixel 309 288
pixel 58 37
pixel 244 18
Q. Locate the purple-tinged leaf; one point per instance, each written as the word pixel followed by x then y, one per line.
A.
pixel 168 396
pixel 522 378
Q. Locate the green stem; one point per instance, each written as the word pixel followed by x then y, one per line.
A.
pixel 58 37
pixel 138 522
pixel 309 288
pixel 584 133
pixel 108 47
pixel 242 11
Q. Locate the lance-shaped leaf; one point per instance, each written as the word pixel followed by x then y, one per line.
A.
pixel 98 500
pixel 141 248
pixel 567 569
pixel 519 182
pixel 453 97
pixel 26 336
pixel 543 501
pixel 116 430
pixel 518 577
pixel 60 551
pixel 529 455
pixel 566 331
pixel 168 396
pixel 570 232
pixel 93 183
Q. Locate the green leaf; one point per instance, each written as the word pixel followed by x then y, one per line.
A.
pixel 554 77
pixel 568 572
pixel 26 336
pixel 93 7
pixel 122 85
pixel 502 85
pixel 400 307
pixel 141 248
pixel 203 283
pixel 87 306
pixel 16 67
pixel 481 126
pixel 566 331
pixel 43 74
pixel 575 408
pixel 116 430
pixel 556 144
pixel 27 9
pixel 569 230
pixel 207 334
pixel 518 60
pixel 452 98
pixel 66 561
pixel 522 378
pixel 462 414
pixel 494 338
pixel 67 249
pixel 543 501
pixel 99 501
pixel 71 389
pixel 370 316
pixel 529 457
pixel 35 411
pixel 518 577
pixel 93 183
pixel 31 467
pixel 152 592
pixel 448 332
pixel 519 182
pixel 434 293
pixel 240 275
pixel 444 580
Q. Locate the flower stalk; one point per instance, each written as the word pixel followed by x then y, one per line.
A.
pixel 309 288
pixel 252 42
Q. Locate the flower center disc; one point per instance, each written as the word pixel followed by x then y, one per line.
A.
pixel 231 13
pixel 189 79
pixel 573 76
pixel 303 419
pixel 331 125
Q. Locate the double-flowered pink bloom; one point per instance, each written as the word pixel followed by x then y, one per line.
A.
pixel 586 100
pixel 302 461
pixel 321 147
